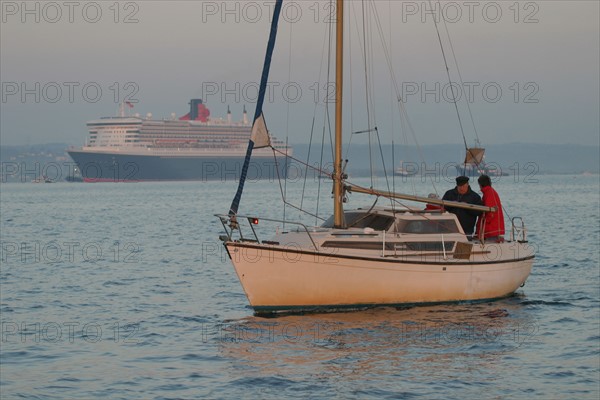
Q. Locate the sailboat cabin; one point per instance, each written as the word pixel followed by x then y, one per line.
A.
pixel 400 221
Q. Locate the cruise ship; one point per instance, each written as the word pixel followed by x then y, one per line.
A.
pixel 192 147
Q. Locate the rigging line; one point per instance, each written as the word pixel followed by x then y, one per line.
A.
pixel 327 119
pixel 506 213
pixel 391 105
pixel 405 123
pixel 419 149
pixel 371 65
pixel 317 101
pixel 365 131
pixel 422 215
pixel 449 79
pixel 383 162
pixel 321 165
pixel 312 129
pixel 393 166
pixel 371 72
pixel 279 179
pixel 356 24
pixel 350 88
pixel 395 200
pixel 305 212
pixel 321 171
pixel 283 197
pixel 459 74
pixel 387 53
pixel 366 214
pixel 286 173
pixel 287 125
pixel 365 62
pixel 329 57
pixel 320 177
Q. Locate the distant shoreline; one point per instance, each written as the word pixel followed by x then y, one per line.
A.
pixel 522 159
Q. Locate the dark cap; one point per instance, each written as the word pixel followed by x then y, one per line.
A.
pixel 461 180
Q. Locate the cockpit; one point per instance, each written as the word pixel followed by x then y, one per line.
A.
pixel 399 222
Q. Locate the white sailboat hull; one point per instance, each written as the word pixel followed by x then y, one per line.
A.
pixel 375 255
pixel 276 278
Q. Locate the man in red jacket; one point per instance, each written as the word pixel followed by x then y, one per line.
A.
pixel 490 224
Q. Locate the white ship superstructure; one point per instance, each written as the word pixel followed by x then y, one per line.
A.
pixel 198 141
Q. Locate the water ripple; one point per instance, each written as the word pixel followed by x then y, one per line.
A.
pixel 171 320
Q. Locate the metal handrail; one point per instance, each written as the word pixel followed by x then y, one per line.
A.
pixel 224 218
pixel 516 231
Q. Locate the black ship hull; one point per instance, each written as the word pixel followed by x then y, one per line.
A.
pixel 114 167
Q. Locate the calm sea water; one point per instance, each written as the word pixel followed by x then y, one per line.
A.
pixel 123 291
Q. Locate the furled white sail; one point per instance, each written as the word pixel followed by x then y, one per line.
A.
pixel 260 134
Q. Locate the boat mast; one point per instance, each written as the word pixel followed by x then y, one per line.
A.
pixel 259 133
pixel 338 189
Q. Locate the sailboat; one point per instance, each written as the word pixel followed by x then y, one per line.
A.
pixel 406 169
pixel 366 257
pixel 474 164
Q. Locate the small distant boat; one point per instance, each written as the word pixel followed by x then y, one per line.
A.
pixel 474 164
pixel 42 179
pixel 473 171
pixel 74 178
pixel 405 170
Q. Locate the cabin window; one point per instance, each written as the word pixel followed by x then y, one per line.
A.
pixel 363 220
pixel 340 244
pixel 430 246
pixel 391 246
pixel 426 226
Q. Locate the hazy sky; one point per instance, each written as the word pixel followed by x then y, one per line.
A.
pixel 531 68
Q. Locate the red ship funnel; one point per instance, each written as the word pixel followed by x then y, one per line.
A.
pixel 198 111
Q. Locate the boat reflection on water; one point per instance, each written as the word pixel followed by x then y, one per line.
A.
pixel 420 340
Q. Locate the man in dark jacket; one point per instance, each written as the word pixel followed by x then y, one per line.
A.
pixel 463 193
